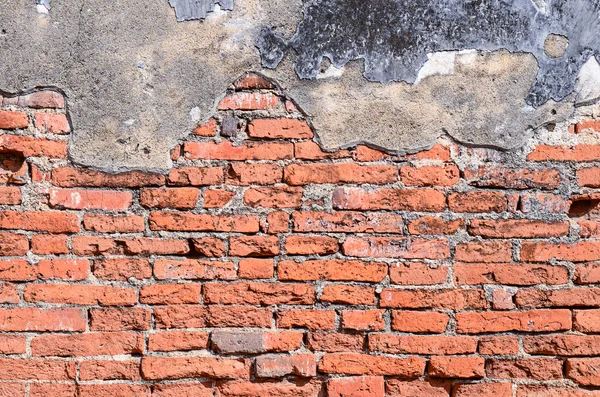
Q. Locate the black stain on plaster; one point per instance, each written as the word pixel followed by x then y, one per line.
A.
pixel 393 37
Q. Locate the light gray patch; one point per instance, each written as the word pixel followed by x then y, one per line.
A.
pixel 187 10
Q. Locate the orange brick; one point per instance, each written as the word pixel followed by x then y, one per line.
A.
pixel 279 129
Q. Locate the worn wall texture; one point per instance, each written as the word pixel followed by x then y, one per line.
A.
pixel 260 265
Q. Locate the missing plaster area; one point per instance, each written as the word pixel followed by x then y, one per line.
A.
pixel 187 10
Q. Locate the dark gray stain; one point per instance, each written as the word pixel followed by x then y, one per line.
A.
pixel 395 36
pixel 197 9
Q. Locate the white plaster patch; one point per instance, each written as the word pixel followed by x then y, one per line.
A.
pixel 331 73
pixel 42 9
pixel 195 114
pixel 587 87
pixel 541 5
pixel 438 64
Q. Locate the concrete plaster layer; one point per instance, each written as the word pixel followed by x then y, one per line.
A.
pixel 137 81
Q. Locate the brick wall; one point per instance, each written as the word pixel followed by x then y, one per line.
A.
pixel 261 265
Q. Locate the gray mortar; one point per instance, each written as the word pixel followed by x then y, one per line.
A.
pixel 132 74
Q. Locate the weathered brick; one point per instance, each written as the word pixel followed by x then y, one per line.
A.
pixel 396 247
pixel 417 273
pixel 164 368
pixel 311 245
pixel 584 371
pixel 517 228
pixel 303 174
pixel 499 345
pixel 348 295
pixel 80 294
pixel 259 294
pixel 192 269
pixel 122 268
pixel 478 201
pixel 525 368
pixel 229 342
pixel 13 244
pixel 459 299
pixel 166 294
pixel 296 388
pixel 358 386
pixel 81 177
pixel 109 370
pixel 431 225
pixel 89 199
pixel 113 223
pixel 240 174
pixel 249 101
pixel 52 123
pixel 430 175
pixel 309 150
pixel 363 320
pixel 429 388
pixel 456 367
pixel 11 120
pixel 305 318
pixel 422 200
pixel 581 251
pixel 42 320
pixel 40 221
pixel 278 366
pixel 364 364
pixel 422 344
pixel 203 222
pixel 256 268
pixel 273 197
pixel 90 344
pixel 347 222
pixel 484 251
pixel 259 246
pixel 248 151
pixel 332 342
pixel 332 270
pixel 178 198
pixel 562 345
pixel 511 178
pixel 178 341
pixel 195 176
pixel 526 321
pixel 279 129
pixel 509 273
pixel 120 319
pixel 419 322
pixel 575 297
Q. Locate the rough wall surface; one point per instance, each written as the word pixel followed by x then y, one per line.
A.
pixel 263 266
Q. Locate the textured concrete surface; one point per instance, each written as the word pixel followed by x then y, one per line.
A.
pixel 138 81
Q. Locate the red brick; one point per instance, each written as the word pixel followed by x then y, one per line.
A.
pixel 253 81
pixel 421 344
pixel 207 129
pixel 17 270
pixel 348 295
pixel 40 221
pixel 483 389
pixel 332 270
pixel 248 151
pixel 363 320
pixel 242 342
pixel 276 222
pixel 311 245
pixel 429 388
pixel 42 99
pixel 364 153
pixel 295 388
pixel 525 368
pixel 484 251
pixel 159 368
pixel 304 318
pixel 10 195
pixel 41 320
pixel 279 129
pixel 417 273
pixel 363 386
pixel 203 222
pixel 89 344
pixel 209 246
pixel 431 225
pixel 347 222
pixel 43 244
pixel 437 152
pixel 575 297
pixel 509 178
pixel 89 390
pixel 584 371
pixel 81 177
pixel 13 244
pixel 579 153
pixel 587 273
pixel 79 294
pixel 456 367
pixel 539 203
pixel 90 199
pixel 580 251
pixel 589 177
pixel 27 369
pixel 63 269
pixel 217 198
pixel 303 174
pixel 9 293
pixel 240 174
pixel 419 322
pixel 195 316
pixel 183 389
pixel 587 321
pixel 499 345
pixel 195 176
pixel 309 150
pixel 334 342
pixel 526 321
pixel 421 200
pixel 10 120
pixel 192 269
pixel 109 370
pixel 179 198
pixel 122 268
pixel 396 247
pixel 178 341
pixel 278 366
pixel 562 345
pixel 166 294
pixel 459 299
pixel 12 344
pixel 364 364
pixel 478 201
pixel 259 294
pixel 256 268
pixel 120 319
pixel 509 273
pixel 274 197
pixel 34 147
pixel 52 123
pixel 517 228
pixel 430 175
pixel 249 101
pixel 113 223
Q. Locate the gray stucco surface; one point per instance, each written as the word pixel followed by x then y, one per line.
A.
pixel 137 80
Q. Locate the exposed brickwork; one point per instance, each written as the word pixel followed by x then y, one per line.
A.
pixel 262 265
